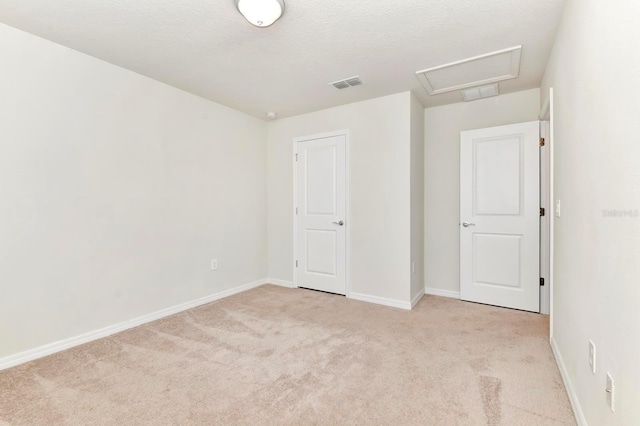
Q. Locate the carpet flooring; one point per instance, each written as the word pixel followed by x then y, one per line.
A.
pixel 274 356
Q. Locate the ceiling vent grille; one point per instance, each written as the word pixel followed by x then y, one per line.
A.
pixel 480 92
pixel 355 81
pixel 347 82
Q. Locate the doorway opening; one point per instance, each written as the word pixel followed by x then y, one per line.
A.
pixel 320 211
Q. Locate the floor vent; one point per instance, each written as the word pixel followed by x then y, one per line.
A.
pixel 347 82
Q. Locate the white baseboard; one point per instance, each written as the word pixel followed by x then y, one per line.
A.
pixel 416 299
pixel 48 349
pixel 442 293
pixel 281 283
pixel 573 397
pixel 380 300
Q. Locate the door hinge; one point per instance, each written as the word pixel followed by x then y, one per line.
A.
pixel 541 141
pixel 296 210
pixel 541 282
pixel 296 157
pixel 296 263
pixel 542 211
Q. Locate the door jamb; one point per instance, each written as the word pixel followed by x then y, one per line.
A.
pixel 546 114
pixel 544 219
pixel 347 219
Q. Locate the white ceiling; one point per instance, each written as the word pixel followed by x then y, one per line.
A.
pixel 207 48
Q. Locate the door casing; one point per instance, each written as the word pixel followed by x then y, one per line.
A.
pixel 544 220
pixel 546 114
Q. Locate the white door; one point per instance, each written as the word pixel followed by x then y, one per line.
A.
pixel 500 216
pixel 321 213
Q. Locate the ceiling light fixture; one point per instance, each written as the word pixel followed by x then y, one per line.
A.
pixel 261 13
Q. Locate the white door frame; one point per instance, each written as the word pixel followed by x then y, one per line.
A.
pixel 544 220
pixel 347 219
pixel 546 114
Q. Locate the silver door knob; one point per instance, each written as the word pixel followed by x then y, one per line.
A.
pixel 339 223
pixel 467 224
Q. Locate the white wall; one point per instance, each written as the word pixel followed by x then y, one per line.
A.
pixel 379 208
pixel 115 193
pixel 595 73
pixel 417 197
pixel 442 126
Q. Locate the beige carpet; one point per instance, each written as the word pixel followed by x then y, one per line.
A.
pixel 291 356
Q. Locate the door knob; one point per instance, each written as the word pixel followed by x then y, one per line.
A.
pixel 339 223
pixel 467 224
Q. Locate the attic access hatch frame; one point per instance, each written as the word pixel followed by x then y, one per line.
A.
pixel 509 57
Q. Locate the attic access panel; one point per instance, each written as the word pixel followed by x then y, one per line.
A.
pixel 483 69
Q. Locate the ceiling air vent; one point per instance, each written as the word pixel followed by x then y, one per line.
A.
pixel 480 92
pixel 355 81
pixel 340 84
pixel 347 82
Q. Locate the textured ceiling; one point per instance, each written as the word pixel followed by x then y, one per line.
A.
pixel 207 48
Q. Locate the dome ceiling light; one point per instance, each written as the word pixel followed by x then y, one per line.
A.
pixel 261 13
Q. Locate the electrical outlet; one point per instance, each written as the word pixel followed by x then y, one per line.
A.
pixel 592 356
pixel 558 208
pixel 214 264
pixel 610 392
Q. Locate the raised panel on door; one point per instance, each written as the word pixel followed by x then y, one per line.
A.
pixel 499 215
pixel 321 251
pixel 497 260
pixel 320 180
pixel 497 176
pixel 321 209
